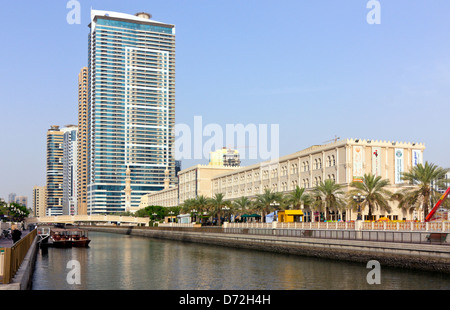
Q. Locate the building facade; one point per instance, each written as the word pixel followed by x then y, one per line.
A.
pixel 82 158
pixel 22 200
pixel 225 157
pixel 39 200
pixel 12 197
pixel 193 182
pixel 131 108
pixel 55 140
pixel 343 161
pixel 70 179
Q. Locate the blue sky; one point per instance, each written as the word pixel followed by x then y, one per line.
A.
pixel 242 62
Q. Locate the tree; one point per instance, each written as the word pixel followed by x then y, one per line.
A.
pixel 216 204
pixel 17 212
pixel 268 201
pixel 328 196
pixel 421 177
pixel 298 197
pixel 373 188
pixel 242 204
pixel 202 204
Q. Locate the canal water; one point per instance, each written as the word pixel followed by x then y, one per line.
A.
pixel 124 262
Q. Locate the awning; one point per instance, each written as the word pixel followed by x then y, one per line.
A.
pixel 252 215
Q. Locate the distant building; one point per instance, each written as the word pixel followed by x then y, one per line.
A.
pixel 55 169
pixel 70 170
pixel 225 157
pixel 177 167
pixel 12 197
pixel 82 146
pixel 21 200
pixel 39 200
pixel 446 184
pixel 55 139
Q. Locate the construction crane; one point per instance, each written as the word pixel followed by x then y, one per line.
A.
pixel 333 140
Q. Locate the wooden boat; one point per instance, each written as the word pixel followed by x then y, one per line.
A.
pixel 79 237
pixel 60 238
pixel 66 238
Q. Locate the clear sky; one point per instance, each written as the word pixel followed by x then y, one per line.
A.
pixel 314 67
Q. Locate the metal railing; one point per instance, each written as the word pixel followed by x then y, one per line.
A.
pixel 387 226
pixel 419 237
pixel 11 258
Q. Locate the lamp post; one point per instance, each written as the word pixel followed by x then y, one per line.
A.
pixel 225 210
pixel 359 198
pixel 194 214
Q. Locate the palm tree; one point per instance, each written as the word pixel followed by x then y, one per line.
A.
pixel 421 177
pixel 298 197
pixel 373 188
pixel 268 201
pixel 242 204
pixel 199 203
pixel 217 203
pixel 328 196
pixel 189 204
pixel 202 203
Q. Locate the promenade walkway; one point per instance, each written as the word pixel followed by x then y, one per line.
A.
pixel 7 243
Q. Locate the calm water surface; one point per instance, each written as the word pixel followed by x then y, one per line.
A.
pixel 123 262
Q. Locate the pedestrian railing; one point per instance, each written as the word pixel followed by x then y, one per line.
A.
pixel 397 226
pixel 420 237
pixel 11 258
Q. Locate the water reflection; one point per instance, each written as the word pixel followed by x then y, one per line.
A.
pixel 126 262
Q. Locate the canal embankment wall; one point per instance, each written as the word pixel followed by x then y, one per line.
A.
pixel 427 257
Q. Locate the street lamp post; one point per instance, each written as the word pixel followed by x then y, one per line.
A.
pixel 226 209
pixel 359 198
pixel 194 213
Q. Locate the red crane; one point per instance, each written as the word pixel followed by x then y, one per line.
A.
pixel 438 204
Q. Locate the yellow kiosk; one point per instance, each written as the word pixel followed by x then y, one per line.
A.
pixel 290 216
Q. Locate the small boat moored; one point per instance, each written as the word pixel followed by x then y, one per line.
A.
pixel 66 238
pixel 79 237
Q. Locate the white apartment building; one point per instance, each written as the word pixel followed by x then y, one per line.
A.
pixel 70 180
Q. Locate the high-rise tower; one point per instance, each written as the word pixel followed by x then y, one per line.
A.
pixel 131 108
pixel 82 146
pixel 55 139
pixel 39 200
pixel 70 175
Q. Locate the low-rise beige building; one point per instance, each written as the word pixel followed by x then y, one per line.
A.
pixel 192 182
pixel 166 198
pixel 343 161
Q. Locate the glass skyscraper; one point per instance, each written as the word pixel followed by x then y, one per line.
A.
pixel 131 108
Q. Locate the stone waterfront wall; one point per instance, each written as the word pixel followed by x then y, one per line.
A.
pixel 401 255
